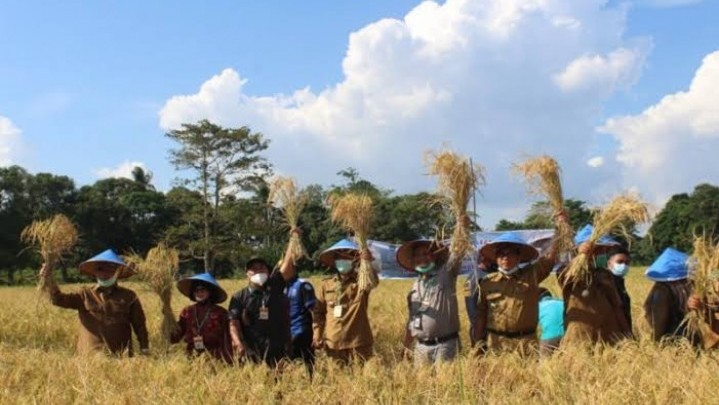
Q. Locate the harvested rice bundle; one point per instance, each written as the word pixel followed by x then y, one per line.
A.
pixel 354 213
pixel 285 196
pixel 53 237
pixel 542 177
pixel 457 180
pixel 158 270
pixel 615 215
pixel 704 276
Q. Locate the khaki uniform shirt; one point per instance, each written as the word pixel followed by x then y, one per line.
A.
pixel 593 312
pixel 509 305
pixel 345 328
pixel 666 307
pixel 107 318
pixel 432 303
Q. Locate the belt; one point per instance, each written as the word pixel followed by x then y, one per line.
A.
pixel 438 340
pixel 512 334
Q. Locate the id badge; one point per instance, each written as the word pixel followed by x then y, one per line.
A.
pixel 337 311
pixel 199 343
pixel 417 322
pixel 264 313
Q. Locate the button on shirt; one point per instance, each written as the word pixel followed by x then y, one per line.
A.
pixel 432 303
pixel 263 335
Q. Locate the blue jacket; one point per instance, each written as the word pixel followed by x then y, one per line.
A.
pixel 302 299
pixel 551 318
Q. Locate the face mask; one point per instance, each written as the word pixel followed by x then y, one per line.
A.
pixel 620 269
pixel 107 283
pixel 508 272
pixel 343 266
pixel 425 269
pixel 259 278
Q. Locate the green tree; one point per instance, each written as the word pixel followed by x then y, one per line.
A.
pixel 219 158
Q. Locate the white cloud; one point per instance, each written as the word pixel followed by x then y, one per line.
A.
pixel 596 161
pixel 618 69
pixel 672 145
pixel 124 169
pixel 480 74
pixel 10 139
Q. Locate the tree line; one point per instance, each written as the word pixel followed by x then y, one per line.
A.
pixel 218 217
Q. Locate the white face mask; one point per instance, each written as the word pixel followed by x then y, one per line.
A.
pixel 107 283
pixel 259 278
pixel 343 266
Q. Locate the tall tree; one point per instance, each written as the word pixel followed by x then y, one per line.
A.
pixel 221 159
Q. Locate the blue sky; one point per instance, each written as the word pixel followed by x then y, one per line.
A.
pixel 88 86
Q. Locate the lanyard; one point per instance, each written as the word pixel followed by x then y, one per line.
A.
pixel 199 325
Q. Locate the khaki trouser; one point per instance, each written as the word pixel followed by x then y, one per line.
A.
pixel 347 356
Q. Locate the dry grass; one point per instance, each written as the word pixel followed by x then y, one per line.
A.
pixel 704 276
pixel 38 365
pixel 158 271
pixel 53 237
pixel 353 212
pixel 457 180
pixel 623 209
pixel 542 177
pixel 285 196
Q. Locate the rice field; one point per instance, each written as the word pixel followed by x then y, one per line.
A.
pixel 38 365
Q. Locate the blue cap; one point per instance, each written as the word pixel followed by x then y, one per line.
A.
pixel 527 252
pixel 671 265
pixel 90 266
pixel 187 284
pixel 327 257
pixel 584 234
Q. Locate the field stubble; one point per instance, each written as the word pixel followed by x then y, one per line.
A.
pixel 38 365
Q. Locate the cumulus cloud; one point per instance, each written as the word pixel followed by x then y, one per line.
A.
pixel 672 145
pixel 10 138
pixel 494 78
pixel 123 170
pixel 595 162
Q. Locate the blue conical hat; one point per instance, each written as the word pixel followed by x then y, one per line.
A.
pixel 187 284
pixel 90 266
pixel 527 252
pixel 671 265
pixel 584 234
pixel 327 257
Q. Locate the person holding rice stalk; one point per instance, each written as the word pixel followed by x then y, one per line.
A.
pixel 108 313
pixel 340 321
pixel 704 301
pixel 259 313
pixel 203 326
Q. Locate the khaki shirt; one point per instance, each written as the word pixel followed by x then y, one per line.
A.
pixel 432 303
pixel 345 328
pixel 510 304
pixel 593 312
pixel 107 317
pixel 666 307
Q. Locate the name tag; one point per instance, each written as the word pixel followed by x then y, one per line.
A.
pixel 264 313
pixel 199 343
pixel 417 322
pixel 337 311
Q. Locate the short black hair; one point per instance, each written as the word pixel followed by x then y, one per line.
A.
pixel 619 250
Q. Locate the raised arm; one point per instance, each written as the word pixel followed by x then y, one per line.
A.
pixel 287 267
pixel 57 297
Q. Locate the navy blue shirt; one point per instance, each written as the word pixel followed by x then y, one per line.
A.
pixel 302 299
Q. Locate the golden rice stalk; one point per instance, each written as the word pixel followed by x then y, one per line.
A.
pixel 457 180
pixel 623 209
pixel 158 271
pixel 704 276
pixel 53 237
pixel 353 212
pixel 542 176
pixel 285 196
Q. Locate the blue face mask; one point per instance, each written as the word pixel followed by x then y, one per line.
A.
pixel 343 265
pixel 425 269
pixel 620 269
